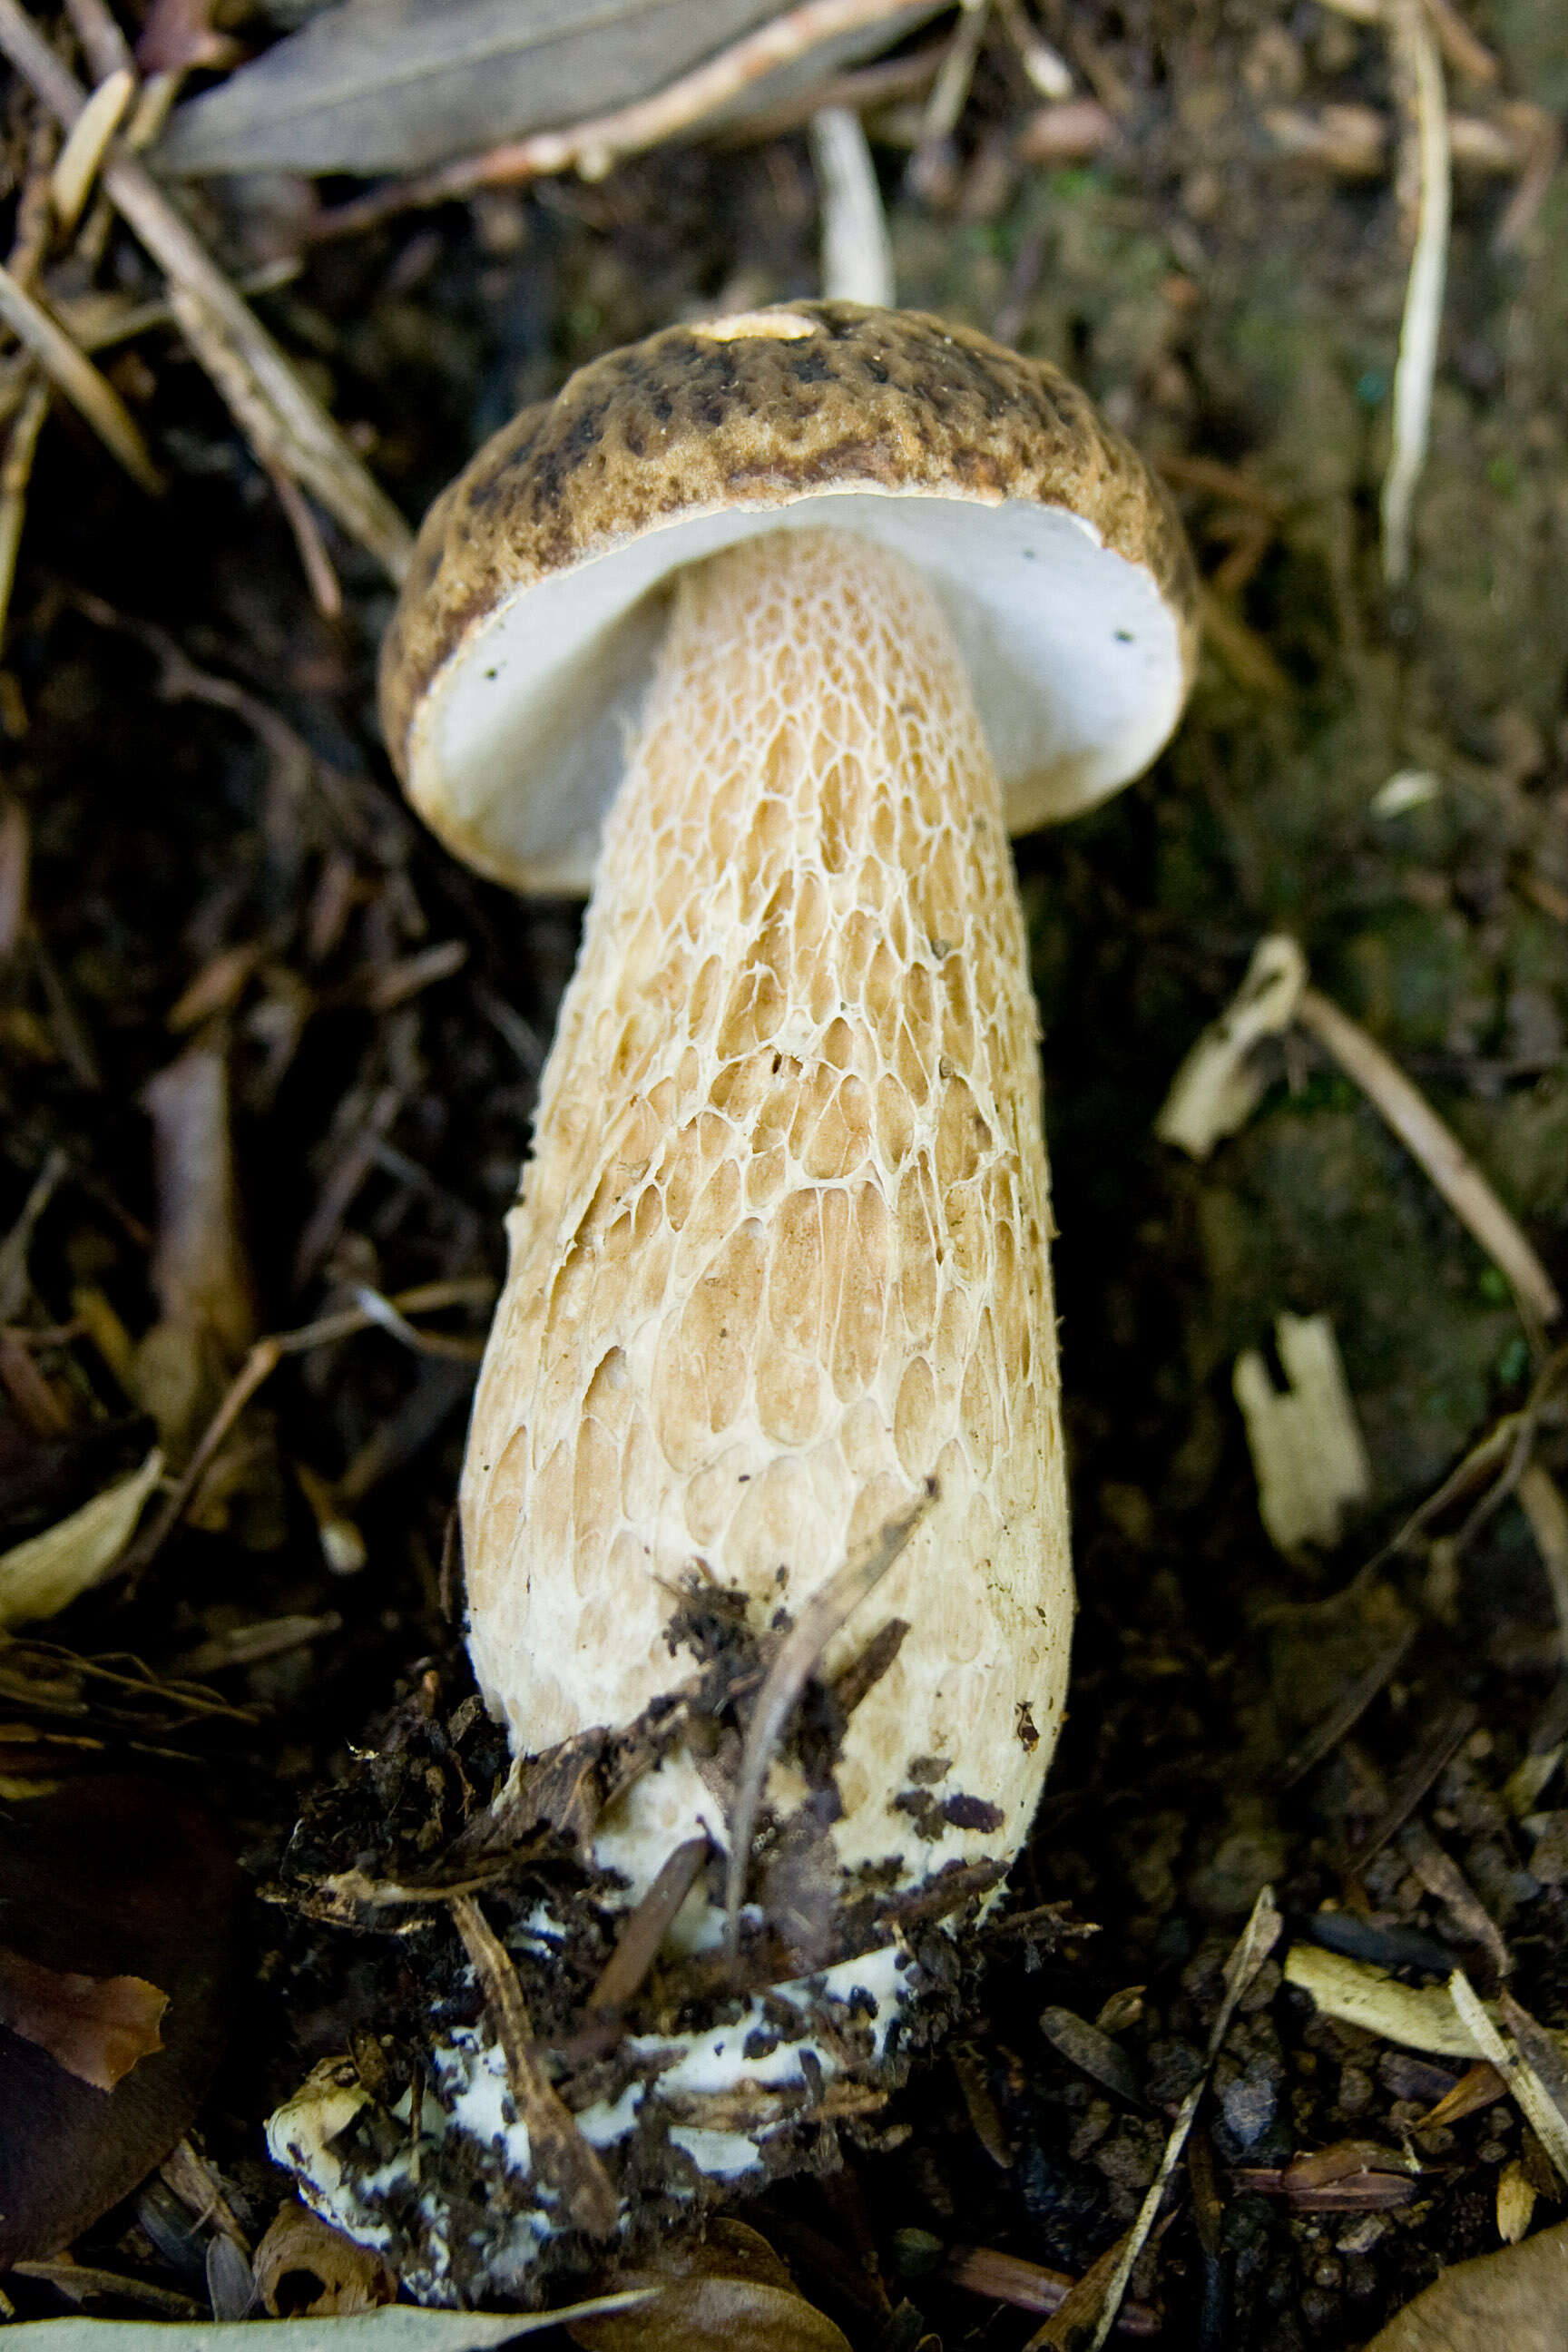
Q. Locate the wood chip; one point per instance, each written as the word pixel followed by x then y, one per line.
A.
pixel 1219 1085
pixel 1306 1447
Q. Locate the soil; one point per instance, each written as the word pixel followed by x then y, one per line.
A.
pixel 1227 305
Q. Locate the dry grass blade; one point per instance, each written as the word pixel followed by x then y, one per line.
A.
pixel 74 173
pixel 228 339
pixel 1258 1940
pixel 16 473
pixel 14 1249
pixel 86 390
pixel 1540 2110
pixel 591 148
pixel 1438 1150
pixel 561 2155
pixel 1418 79
pixel 791 1669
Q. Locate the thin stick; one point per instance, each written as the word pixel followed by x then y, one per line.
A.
pixel 948 98
pixel 1541 1500
pixel 563 2157
pixel 314 561
pixel 591 148
pixel 258 1367
pixel 857 258
pixel 1418 71
pixel 1439 1152
pixel 103 44
pixel 1459 46
pixel 828 1608
pixel 1258 1941
pixel 16 473
pixel 81 382
pixel 637 1946
pixel 227 336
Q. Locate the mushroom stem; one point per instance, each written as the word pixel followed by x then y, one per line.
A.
pixel 781 1250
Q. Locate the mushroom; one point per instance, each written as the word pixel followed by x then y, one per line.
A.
pixel 769 630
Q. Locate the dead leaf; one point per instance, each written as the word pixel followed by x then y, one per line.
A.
pixel 108 1876
pixel 729 2292
pixel 1516 2298
pixel 46 1573
pixel 397 2327
pixel 304 2265
pixel 96 2028
pixel 389 85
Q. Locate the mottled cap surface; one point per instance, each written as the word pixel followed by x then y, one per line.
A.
pixel 517 661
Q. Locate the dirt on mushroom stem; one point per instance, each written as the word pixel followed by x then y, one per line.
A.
pixel 780 1258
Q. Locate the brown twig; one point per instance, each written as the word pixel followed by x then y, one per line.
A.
pixel 1008 2278
pixel 314 561
pixel 557 2148
pixel 1438 1152
pixel 593 147
pixel 227 336
pixel 258 1368
pixel 637 1946
pixel 828 1608
pixel 1256 1941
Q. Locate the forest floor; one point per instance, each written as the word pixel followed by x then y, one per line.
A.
pixel 224 880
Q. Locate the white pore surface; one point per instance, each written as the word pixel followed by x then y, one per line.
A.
pixel 1073 656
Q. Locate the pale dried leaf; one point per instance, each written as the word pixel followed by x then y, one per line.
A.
pixel 45 1574
pixel 390 85
pixel 1307 1449
pixel 1513 2064
pixel 1515 2298
pixel 727 2293
pixel 398 2327
pixel 300 2247
pixel 1418 2016
pixel 96 2028
pixel 1219 1085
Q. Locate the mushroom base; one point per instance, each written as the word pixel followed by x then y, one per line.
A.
pixel 699 2084
pixel 685 2122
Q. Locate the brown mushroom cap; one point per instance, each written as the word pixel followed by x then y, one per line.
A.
pixel 533 605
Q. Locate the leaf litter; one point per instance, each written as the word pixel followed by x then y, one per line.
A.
pixel 362 1005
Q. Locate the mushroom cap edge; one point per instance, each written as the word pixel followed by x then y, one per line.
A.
pixel 927 436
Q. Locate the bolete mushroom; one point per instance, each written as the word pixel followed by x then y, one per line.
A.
pixel 769 630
